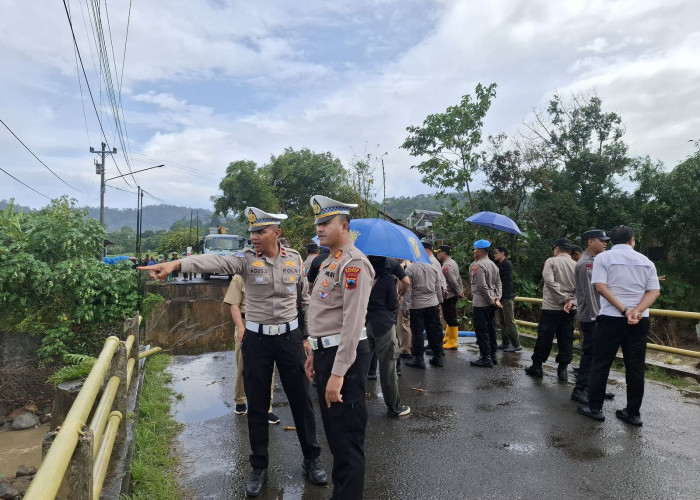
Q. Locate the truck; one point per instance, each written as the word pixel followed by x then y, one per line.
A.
pixel 222 244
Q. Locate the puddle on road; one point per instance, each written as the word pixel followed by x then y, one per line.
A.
pixel 574 448
pixel 439 419
pixel 202 397
pixel 20 448
pixel 520 448
pixel 499 383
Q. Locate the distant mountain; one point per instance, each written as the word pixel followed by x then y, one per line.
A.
pixel 155 217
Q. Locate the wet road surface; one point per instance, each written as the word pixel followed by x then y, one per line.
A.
pixel 472 433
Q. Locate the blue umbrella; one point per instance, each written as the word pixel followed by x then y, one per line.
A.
pixel 496 221
pixel 379 237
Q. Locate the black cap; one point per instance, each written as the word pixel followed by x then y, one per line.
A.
pixel 563 243
pixel 311 248
pixel 427 243
pixel 446 248
pixel 595 233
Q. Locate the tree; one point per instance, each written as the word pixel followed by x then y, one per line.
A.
pixel 178 239
pixel 285 184
pixel 53 284
pixel 450 141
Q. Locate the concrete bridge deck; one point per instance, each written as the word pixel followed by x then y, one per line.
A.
pixel 473 433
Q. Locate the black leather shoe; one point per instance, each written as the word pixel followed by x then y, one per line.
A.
pixel 258 479
pixel 482 363
pixel 416 362
pixel 314 472
pixel 580 396
pixel 437 361
pixel 406 355
pixel 587 412
pixel 630 419
pixel 429 351
pixel 561 372
pixel 494 360
pixel 609 395
pixel 534 371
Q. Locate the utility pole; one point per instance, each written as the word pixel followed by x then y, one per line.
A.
pixel 100 170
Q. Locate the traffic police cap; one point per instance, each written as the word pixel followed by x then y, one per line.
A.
pixel 595 233
pixel 445 248
pixel 427 243
pixel 326 208
pixel 257 219
pixel 483 244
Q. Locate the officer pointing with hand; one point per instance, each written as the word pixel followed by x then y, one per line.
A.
pixel 276 289
pixel 340 350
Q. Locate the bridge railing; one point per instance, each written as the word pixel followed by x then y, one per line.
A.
pixel 77 453
pixel 652 312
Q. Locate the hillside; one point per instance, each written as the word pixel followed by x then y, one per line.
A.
pixel 157 217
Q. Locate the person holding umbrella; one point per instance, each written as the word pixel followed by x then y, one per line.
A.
pixel 486 290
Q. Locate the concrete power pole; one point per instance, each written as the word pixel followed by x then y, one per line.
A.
pixel 100 170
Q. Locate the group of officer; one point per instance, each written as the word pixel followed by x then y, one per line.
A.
pixel 317 336
pixel 318 333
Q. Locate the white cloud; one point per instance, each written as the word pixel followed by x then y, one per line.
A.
pixel 207 83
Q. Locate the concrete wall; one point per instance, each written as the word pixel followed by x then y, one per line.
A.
pixel 192 319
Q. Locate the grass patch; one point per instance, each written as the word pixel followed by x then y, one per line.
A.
pixel 154 463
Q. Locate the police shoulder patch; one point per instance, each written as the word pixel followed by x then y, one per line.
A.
pixel 351 277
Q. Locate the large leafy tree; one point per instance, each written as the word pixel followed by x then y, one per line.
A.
pixel 284 184
pixel 450 141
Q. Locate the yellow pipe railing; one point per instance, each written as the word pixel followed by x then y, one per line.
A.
pixel 147 353
pixel 99 419
pixel 99 469
pixel 653 312
pixel 53 467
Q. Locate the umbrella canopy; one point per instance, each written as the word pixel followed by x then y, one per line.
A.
pixel 379 237
pixel 496 221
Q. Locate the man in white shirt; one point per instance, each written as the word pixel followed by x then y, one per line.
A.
pixel 627 283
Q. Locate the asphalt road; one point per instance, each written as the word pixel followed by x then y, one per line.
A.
pixel 472 433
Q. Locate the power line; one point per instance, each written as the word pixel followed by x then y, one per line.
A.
pixel 87 82
pixel 39 160
pixel 25 185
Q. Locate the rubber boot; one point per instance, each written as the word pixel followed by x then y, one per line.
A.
pixel 453 333
pixel 446 337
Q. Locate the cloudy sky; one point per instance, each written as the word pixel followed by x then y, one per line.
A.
pixel 207 82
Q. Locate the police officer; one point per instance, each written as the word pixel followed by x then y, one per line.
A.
pixel 450 269
pixel 275 288
pixel 558 312
pixel 421 303
pixel 486 289
pixel 340 354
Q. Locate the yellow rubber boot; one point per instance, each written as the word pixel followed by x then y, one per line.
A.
pixel 453 333
pixel 447 335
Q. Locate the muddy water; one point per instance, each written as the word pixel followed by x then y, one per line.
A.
pixel 20 448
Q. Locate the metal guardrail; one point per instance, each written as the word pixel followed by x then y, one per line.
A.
pixel 652 312
pixel 82 449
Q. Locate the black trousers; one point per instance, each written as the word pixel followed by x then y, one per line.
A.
pixel 449 311
pixel 485 330
pixel 584 369
pixel 260 354
pixel 345 422
pixel 611 334
pixel 561 325
pixel 428 319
